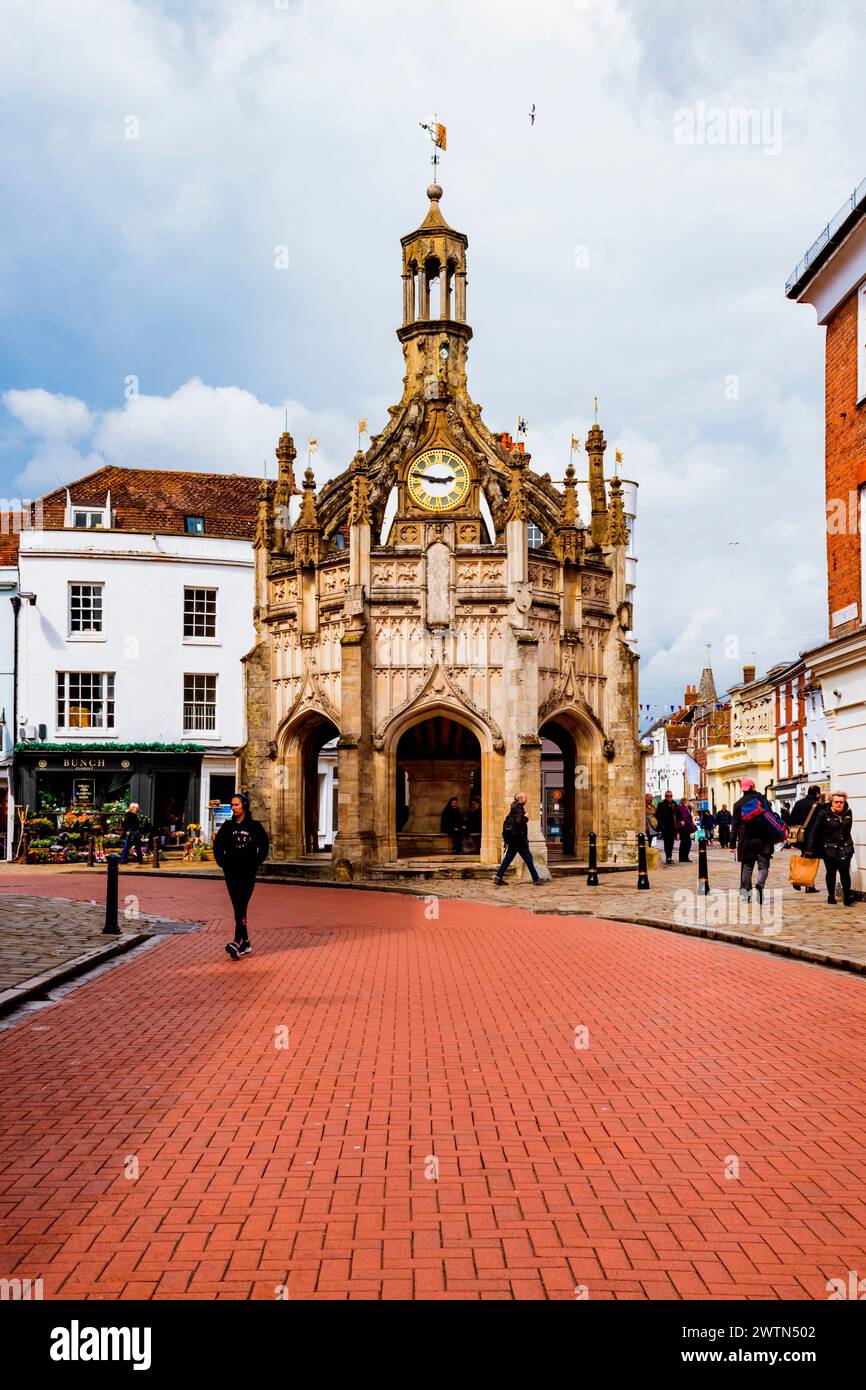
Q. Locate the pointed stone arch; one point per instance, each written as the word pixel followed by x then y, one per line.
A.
pixel 572 725
pixel 308 726
pixel 440 695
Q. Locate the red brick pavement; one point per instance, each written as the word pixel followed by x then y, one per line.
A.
pixel 409 1039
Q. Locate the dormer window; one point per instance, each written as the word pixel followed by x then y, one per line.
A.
pixel 86 518
pixel 194 525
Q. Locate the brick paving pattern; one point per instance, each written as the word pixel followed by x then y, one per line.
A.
pixel 39 936
pixel 800 919
pixel 418 1043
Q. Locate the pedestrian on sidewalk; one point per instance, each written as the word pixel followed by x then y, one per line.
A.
pixel 803 813
pixel 515 833
pixel 131 828
pixel 686 828
pixel 652 825
pixel 666 817
pixel 751 844
pixel 828 837
pixel 723 821
pixel 240 846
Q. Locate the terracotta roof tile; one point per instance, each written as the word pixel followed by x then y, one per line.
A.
pixel 154 499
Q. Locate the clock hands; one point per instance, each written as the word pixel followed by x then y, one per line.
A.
pixel 431 478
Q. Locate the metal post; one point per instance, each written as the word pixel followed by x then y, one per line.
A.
pixel 91 849
pixel 592 876
pixel 111 928
pixel 155 864
pixel 703 871
pixel 642 875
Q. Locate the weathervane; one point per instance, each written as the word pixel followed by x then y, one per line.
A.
pixel 437 132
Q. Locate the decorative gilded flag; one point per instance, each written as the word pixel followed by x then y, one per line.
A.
pixel 314 445
pixel 438 134
pixel 618 455
pixel 362 426
pixel 575 442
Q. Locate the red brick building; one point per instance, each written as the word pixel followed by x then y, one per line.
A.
pixel 789 694
pixel 832 278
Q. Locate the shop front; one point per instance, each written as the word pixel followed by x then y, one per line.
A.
pixel 53 783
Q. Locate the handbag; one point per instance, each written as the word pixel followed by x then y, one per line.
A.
pixel 797 835
pixel 803 872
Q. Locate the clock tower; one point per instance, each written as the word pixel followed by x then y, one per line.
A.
pixel 439 623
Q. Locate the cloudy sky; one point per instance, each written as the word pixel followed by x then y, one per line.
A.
pixel 202 205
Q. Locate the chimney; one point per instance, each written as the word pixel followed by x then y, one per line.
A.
pixel 691 697
pixel 748 675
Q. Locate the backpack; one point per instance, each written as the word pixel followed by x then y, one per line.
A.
pixel 510 832
pixel 763 823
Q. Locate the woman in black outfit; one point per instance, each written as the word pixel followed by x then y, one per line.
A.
pixel 451 823
pixel 828 837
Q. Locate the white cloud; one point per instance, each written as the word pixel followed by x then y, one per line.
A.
pixel 47 415
pixel 261 126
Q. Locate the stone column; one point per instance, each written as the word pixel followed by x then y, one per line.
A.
pixel 408 297
pixel 355 841
pixel 460 295
pixel 444 292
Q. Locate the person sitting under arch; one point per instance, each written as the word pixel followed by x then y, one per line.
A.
pixel 451 822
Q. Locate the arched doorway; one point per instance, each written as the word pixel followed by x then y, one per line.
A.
pixel 558 766
pixel 319 764
pixel 575 768
pixel 305 777
pixel 437 758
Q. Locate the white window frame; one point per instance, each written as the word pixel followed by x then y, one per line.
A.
pixel 107 697
pixel 91 634
pixel 190 732
pixel 861 523
pixel 94 517
pixel 533 525
pixel 190 641
pixel 861 343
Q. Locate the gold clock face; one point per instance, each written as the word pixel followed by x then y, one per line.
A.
pixel 438 480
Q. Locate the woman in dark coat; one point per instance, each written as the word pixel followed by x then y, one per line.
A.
pixel 828 837
pixel 451 823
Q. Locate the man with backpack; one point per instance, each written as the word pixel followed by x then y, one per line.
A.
pixel 515 833
pixel 755 832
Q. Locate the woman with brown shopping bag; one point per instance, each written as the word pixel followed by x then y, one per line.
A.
pixel 828 837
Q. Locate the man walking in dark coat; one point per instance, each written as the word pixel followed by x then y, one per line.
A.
pixel 240 846
pixel 751 846
pixel 723 821
pixel 666 818
pixel 515 833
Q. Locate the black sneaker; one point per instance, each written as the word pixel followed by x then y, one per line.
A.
pixel 499 882
pixel 244 948
pixel 233 950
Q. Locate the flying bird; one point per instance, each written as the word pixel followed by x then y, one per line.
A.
pixel 532 115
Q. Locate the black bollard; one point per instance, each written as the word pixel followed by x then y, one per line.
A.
pixel 642 875
pixel 91 850
pixel 111 928
pixel 155 863
pixel 703 871
pixel 592 876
